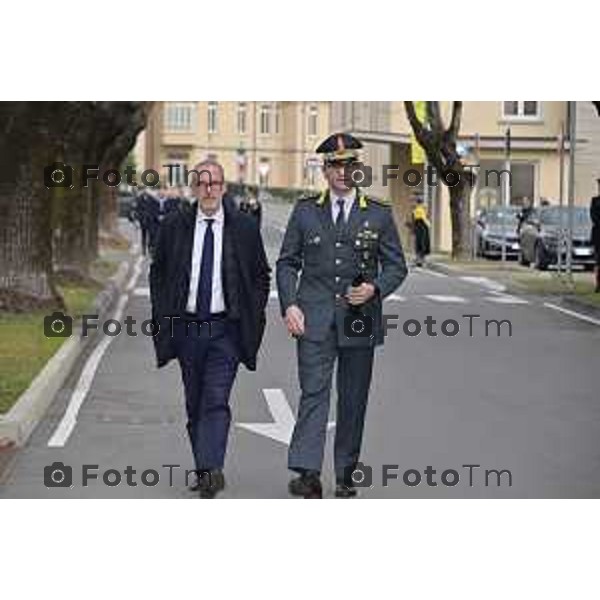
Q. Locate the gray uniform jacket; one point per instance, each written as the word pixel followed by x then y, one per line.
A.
pixel 317 263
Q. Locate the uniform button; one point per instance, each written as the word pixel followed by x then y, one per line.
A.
pixel 338 295
pixel 338 244
pixel 337 279
pixel 338 261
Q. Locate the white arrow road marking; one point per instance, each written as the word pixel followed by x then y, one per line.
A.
pixel 65 427
pixel 489 284
pixel 447 299
pixel 283 419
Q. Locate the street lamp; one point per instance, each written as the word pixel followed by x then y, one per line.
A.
pixel 263 170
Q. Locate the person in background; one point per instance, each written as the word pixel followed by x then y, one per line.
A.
pixel 420 227
pixel 525 212
pixel 250 204
pixel 595 216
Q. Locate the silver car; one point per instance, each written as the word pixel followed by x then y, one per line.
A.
pixel 496 227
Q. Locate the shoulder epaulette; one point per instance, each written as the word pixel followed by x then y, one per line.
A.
pixel 380 201
pixel 308 197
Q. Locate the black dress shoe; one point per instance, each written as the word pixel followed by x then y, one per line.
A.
pixel 307 485
pixel 208 483
pixel 343 490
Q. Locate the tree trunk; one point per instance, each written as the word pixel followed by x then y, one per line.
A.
pixel 26 280
pixel 71 249
pixel 460 219
pixel 109 206
pixel 94 221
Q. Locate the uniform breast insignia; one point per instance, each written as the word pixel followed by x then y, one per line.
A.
pixel 365 254
pixel 314 240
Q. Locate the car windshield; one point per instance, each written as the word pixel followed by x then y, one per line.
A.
pixel 509 215
pixel 552 216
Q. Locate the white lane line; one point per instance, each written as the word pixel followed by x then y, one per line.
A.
pixel 142 291
pixel 396 297
pixel 572 313
pixel 137 269
pixel 430 272
pixel 65 427
pixel 485 282
pixel 446 299
pixel 505 299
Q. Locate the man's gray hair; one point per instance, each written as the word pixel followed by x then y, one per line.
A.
pixel 201 166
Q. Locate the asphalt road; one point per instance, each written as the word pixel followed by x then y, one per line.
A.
pixel 528 404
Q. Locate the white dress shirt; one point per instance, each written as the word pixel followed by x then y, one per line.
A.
pixel 217 300
pixel 348 200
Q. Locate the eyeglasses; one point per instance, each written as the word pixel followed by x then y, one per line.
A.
pixel 216 184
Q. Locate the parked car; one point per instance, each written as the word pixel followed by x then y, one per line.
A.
pixel 496 227
pixel 541 237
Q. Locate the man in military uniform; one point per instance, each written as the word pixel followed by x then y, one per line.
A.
pixel 341 256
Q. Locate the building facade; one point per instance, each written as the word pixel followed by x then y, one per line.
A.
pixel 271 144
pixel 535 165
pixel 264 143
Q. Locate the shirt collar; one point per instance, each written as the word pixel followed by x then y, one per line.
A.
pixel 218 216
pixel 348 197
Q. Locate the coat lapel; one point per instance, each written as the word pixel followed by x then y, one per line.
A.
pixel 324 212
pixel 357 217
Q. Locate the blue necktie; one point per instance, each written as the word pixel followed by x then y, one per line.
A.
pixel 339 220
pixel 206 272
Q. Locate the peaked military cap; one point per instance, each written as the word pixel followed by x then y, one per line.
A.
pixel 339 147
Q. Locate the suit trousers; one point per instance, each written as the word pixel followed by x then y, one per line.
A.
pixel 315 370
pixel 208 356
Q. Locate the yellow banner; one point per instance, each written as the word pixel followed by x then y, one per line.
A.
pixel 417 153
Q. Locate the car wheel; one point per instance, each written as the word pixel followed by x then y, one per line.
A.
pixel 541 260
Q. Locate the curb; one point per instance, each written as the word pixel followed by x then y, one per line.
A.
pixel 19 422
